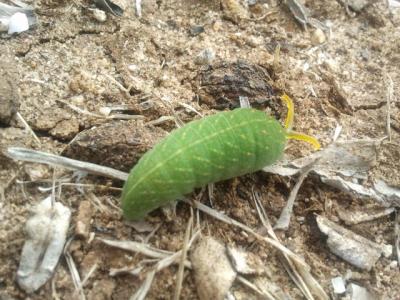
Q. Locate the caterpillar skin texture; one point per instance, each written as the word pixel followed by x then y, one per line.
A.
pixel 215 148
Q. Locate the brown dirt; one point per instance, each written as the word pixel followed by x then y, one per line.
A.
pixel 71 60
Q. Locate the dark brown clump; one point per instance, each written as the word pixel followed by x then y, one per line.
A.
pixel 221 85
pixel 118 145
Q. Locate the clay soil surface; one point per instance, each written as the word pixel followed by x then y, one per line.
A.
pixel 179 56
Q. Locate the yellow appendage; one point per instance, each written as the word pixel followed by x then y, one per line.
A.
pixel 289 124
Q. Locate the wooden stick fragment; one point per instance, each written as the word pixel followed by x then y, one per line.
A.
pixel 29 155
pixel 224 218
pixel 179 276
pixel 389 99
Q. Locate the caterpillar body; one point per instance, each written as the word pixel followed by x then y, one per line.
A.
pixel 215 148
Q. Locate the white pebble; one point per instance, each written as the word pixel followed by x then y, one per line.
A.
pixel 318 37
pixel 393 264
pixel 99 15
pixel 133 68
pixel 18 23
pixel 338 285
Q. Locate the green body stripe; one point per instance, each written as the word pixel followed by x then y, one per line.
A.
pixel 215 148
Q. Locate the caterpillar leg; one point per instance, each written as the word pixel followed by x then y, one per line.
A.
pixel 289 124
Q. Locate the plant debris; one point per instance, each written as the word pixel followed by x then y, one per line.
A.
pixel 352 247
pixel 57 160
pixel 110 7
pixel 340 164
pixel 47 233
pixel 16 19
pixel 213 271
pixel 351 217
pixel 245 263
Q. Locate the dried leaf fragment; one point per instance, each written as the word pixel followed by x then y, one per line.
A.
pixel 356 5
pixel 352 247
pixel 347 158
pixel 299 11
pixel 47 233
pixel 109 7
pixel 351 217
pixel 214 274
pixel 339 164
pixel 245 263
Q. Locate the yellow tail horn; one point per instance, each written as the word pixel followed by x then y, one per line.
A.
pixel 289 124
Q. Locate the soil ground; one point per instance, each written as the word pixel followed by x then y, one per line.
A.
pixel 150 65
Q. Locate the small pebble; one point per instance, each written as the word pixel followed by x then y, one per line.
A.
pixel 359 293
pixel 358 5
pixel 99 15
pixel 205 57
pixel 82 227
pixel 217 26
pixel 18 23
pixel 301 219
pixel 393 264
pixel 253 41
pixel 196 30
pixel 365 54
pixel 318 37
pixel 133 68
pixel 338 285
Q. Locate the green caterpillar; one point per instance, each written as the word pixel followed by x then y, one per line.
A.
pixel 215 148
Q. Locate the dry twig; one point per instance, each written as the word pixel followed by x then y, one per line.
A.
pixel 264 294
pixel 28 128
pixel 137 247
pixel 191 108
pixel 89 274
pixel 397 237
pixel 228 220
pixel 284 218
pixel 138 8
pixel 179 276
pixel 24 154
pixel 165 262
pixel 389 99
pixel 76 279
pixel 300 275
